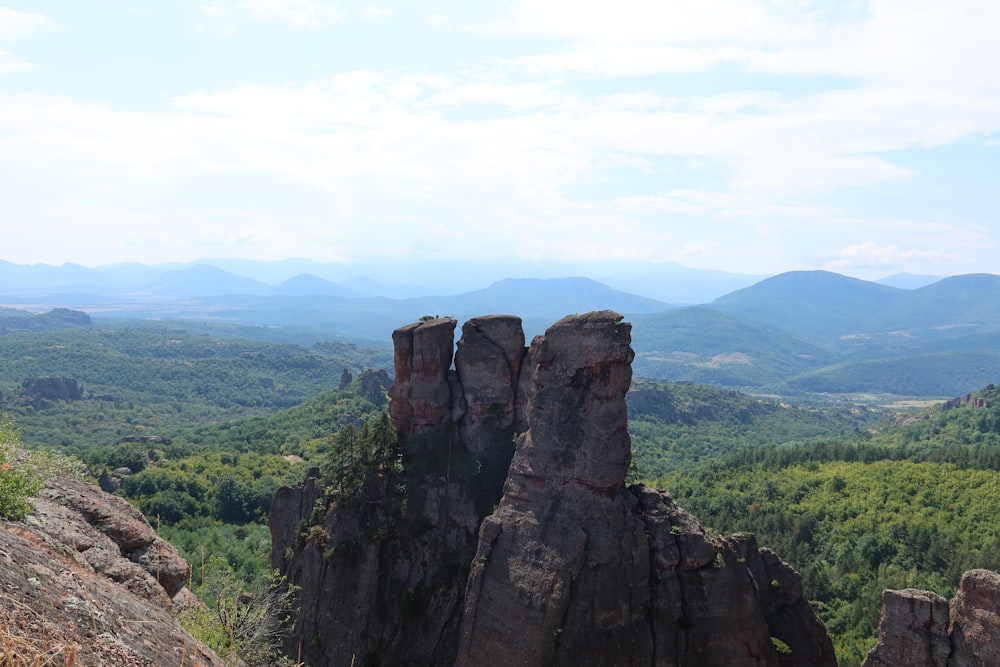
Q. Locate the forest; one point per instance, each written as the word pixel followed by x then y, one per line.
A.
pixel 199 431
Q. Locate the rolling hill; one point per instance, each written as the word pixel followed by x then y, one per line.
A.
pixel 701 344
pixel 816 305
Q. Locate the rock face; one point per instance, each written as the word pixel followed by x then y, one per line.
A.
pixel 56 388
pixel 374 384
pixel 913 630
pixel 85 574
pixel 922 629
pixel 554 560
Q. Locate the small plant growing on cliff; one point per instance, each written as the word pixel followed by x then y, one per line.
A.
pixel 781 647
pixel 243 622
pixel 22 472
pixel 16 484
pixel 317 535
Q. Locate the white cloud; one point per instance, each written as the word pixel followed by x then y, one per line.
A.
pixel 380 14
pixel 309 14
pixel 655 21
pixel 15 25
pixel 873 256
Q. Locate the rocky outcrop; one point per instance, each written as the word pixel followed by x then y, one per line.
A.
pixel 922 629
pixel 913 630
pixel 85 575
pixel 55 388
pixel 373 385
pixel 534 555
pixel 422 394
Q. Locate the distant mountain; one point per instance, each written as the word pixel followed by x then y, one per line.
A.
pixel 366 286
pixel 813 331
pixel 663 281
pixel 130 275
pixel 44 278
pixel 541 298
pixel 305 284
pixel 701 344
pixel 203 281
pixel 817 305
pixel 674 283
pixel 538 302
pixel 968 299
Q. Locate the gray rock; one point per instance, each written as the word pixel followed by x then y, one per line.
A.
pixel 922 629
pixel 85 575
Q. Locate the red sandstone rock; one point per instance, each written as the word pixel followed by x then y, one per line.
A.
pixel 569 567
pixel 573 568
pixel 421 396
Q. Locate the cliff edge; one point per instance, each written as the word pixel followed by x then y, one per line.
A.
pixel 513 539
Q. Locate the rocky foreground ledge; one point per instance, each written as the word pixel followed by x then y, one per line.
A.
pixel 538 553
pixel 85 580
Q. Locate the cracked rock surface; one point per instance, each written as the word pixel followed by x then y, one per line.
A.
pixel 85 575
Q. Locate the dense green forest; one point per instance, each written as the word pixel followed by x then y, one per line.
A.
pixel 149 380
pixel 912 502
pixel 677 425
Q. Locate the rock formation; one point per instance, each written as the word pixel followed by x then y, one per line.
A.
pixel 530 555
pixel 922 629
pixel 374 384
pixel 56 388
pixel 85 575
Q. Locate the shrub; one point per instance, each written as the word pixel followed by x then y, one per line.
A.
pixel 243 621
pixel 17 484
pixel 22 471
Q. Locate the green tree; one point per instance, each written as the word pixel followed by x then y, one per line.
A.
pixel 233 501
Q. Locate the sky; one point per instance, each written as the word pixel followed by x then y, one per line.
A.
pixel 752 136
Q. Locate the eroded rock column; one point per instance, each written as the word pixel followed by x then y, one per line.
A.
pixel 561 571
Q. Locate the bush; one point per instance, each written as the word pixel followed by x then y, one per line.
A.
pixel 17 484
pixel 22 472
pixel 243 621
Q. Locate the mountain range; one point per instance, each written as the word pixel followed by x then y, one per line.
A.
pixel 668 282
pixel 796 332
pixel 663 281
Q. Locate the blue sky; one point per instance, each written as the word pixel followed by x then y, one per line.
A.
pixel 754 136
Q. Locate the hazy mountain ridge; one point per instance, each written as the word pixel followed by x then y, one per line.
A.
pixel 802 331
pixel 673 283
